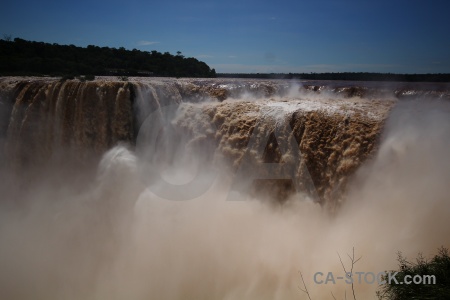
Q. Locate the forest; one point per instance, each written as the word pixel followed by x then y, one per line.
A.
pixel 20 57
pixel 349 76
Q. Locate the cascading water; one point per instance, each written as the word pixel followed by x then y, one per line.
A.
pixel 75 116
pixel 161 218
pixel 333 136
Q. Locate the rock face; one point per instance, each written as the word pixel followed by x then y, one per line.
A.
pixel 321 135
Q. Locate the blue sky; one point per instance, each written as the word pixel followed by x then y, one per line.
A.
pixel 396 36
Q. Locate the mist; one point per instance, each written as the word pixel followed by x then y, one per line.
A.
pixel 78 233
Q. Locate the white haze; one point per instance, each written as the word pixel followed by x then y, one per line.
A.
pixel 114 239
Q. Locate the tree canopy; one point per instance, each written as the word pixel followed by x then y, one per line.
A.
pixel 21 57
pixel 348 76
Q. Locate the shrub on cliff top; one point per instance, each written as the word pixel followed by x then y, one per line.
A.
pixel 438 266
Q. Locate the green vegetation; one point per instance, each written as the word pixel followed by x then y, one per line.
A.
pixel 21 57
pixel 89 77
pixel 122 78
pixel 350 76
pixel 67 77
pixel 439 266
pixel 85 78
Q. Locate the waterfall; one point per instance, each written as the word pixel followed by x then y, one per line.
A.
pixel 214 189
pixel 334 134
pixel 79 117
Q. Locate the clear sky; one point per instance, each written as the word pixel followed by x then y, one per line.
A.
pixel 399 36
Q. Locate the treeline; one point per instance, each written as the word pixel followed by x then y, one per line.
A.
pixel 350 76
pixel 21 57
